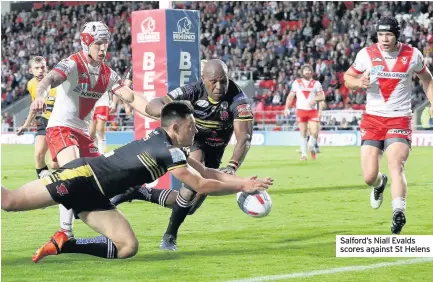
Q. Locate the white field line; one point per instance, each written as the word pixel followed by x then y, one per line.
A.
pixel 333 270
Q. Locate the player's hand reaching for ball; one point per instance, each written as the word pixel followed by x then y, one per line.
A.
pixel 253 184
pixel 38 105
pixel 364 81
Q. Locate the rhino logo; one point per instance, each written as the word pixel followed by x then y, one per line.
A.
pixel 184 33
pixel 148 33
pixel 184 25
pixel 148 25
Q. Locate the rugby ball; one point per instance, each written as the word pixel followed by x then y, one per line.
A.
pixel 257 204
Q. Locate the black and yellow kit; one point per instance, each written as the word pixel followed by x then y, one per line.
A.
pixel 42 120
pixel 87 184
pixel 214 119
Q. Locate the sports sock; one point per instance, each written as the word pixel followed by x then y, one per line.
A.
pixel 399 203
pixel 99 246
pixel 102 144
pixel 159 196
pixel 156 196
pixel 378 180
pixel 178 214
pixel 304 146
pixel 39 170
pixel 313 142
pixel 66 220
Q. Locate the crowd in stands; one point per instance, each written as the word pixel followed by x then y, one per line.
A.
pixel 270 39
pixel 52 30
pixel 273 39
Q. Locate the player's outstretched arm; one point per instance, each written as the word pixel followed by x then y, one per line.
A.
pixel 51 80
pixel 155 106
pixel 136 100
pixel 192 178
pixel 243 132
pixel 211 173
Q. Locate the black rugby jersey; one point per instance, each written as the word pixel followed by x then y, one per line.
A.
pixel 140 161
pixel 215 119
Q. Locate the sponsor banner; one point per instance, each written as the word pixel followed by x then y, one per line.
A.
pixel 282 138
pixel 183 47
pixel 258 139
pixel 183 54
pixel 340 114
pixel 166 55
pixel 149 68
pixel 339 138
pixel 422 138
pixel 149 59
pixel 12 138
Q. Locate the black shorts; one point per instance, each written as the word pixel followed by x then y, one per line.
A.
pixel 74 187
pixel 212 155
pixel 42 126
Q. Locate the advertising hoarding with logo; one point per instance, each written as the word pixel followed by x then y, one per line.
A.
pixel 165 55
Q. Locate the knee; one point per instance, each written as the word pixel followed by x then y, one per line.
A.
pixel 128 249
pixel 7 200
pixel 187 193
pixel 370 177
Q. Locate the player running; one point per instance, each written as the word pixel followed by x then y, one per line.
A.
pixel 220 108
pixel 308 93
pixel 81 80
pixel 86 184
pixel 38 67
pixel 385 69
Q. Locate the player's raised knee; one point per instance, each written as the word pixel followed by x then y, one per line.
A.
pixel 128 249
pixel 7 200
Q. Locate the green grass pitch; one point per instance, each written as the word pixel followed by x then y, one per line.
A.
pixel 312 202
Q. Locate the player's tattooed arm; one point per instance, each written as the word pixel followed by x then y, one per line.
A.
pixel 155 106
pixel 51 80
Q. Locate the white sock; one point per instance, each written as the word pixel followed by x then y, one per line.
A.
pixel 101 145
pixel 66 219
pixel 378 181
pixel 313 142
pixel 398 203
pixel 303 146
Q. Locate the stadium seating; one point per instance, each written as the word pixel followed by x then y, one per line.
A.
pixel 270 39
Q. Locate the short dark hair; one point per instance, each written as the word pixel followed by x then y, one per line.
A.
pixel 175 110
pixel 36 59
